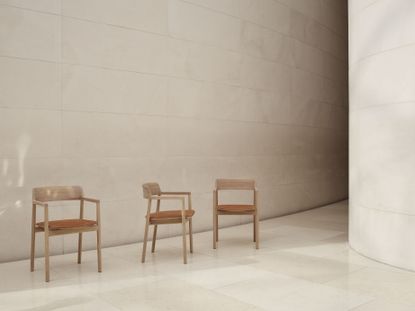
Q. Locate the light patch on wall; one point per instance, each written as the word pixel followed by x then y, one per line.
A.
pixel 5 167
pixel 23 144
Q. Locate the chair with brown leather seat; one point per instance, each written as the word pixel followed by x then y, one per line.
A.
pixel 41 197
pixel 152 192
pixel 235 209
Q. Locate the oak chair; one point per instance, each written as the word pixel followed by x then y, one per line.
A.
pixel 235 209
pixel 41 197
pixel 152 192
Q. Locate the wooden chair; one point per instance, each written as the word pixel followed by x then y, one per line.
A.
pixel 152 193
pixel 41 197
pixel 235 209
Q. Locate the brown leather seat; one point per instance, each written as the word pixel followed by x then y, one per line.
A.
pixel 67 224
pixel 236 208
pixel 171 214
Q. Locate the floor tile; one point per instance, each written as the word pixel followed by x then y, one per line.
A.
pixel 305 267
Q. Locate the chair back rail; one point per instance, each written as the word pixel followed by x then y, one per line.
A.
pixel 57 193
pixel 150 189
pixel 235 184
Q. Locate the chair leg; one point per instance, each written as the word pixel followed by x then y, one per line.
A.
pixel 32 251
pixel 257 231
pixel 143 257
pixel 79 247
pixel 191 235
pixel 254 228
pixel 33 240
pixel 47 274
pixel 99 255
pixel 214 230
pixel 153 243
pixel 217 227
pixel 184 242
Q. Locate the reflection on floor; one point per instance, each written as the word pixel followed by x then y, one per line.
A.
pixel 304 264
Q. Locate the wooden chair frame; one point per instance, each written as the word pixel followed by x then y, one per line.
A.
pixel 160 196
pixel 62 195
pixel 235 184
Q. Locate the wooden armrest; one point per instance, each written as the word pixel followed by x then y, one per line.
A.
pixel 158 197
pixel 44 204
pixel 90 200
pixel 176 193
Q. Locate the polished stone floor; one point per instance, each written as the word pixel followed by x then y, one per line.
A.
pixel 304 264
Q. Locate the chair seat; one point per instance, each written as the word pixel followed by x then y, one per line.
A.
pixel 236 209
pixel 67 224
pixel 171 215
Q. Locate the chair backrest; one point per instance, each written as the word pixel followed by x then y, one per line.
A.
pixel 150 189
pixel 57 193
pixel 235 184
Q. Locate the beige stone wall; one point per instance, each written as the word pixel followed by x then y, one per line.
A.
pixel 111 94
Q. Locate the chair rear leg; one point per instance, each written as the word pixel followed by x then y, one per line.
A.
pixel 79 248
pixel 254 222
pixel 143 257
pixel 153 243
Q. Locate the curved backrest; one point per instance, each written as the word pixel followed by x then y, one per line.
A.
pixel 235 184
pixel 150 189
pixel 57 193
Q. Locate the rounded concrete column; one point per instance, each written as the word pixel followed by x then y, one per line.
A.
pixel 382 130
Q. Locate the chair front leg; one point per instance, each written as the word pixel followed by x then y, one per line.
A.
pixel 217 227
pixel 81 216
pixel 257 229
pixel 214 230
pixel 153 243
pixel 99 255
pixel 143 256
pixel 189 197
pixel 214 213
pixel 47 274
pixel 79 247
pixel 184 232
pixel 191 235
pixel 256 219
pixel 184 241
pixel 46 221
pixel 33 239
